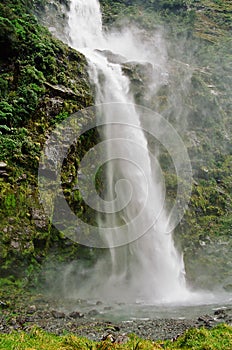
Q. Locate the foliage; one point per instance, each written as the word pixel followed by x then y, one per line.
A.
pixel 219 337
pixel 149 14
pixel 32 64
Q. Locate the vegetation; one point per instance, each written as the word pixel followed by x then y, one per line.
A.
pixel 42 81
pixel 201 339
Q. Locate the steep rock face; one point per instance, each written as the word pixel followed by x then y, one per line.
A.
pixel 52 14
pixel 42 82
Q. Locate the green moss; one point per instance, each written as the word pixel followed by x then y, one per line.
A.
pixel 32 63
pixel 218 338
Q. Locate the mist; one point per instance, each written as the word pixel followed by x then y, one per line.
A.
pixel 165 77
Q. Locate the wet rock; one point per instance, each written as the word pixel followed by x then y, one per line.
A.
pixel 76 314
pixel 109 337
pixel 49 174
pixel 140 75
pixel 112 57
pixel 61 90
pixel 54 106
pixel 228 288
pixel 58 314
pixel 220 312
pixel 107 308
pixel 57 322
pixel 93 312
pixel 52 14
pixel 140 72
pixel 121 339
pixel 32 309
pixel 206 320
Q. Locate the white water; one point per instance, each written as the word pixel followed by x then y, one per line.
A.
pixel 149 268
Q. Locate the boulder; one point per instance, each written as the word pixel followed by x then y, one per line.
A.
pixel 112 57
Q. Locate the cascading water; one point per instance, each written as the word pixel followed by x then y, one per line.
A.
pixel 148 268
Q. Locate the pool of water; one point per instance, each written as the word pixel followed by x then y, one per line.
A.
pixel 119 311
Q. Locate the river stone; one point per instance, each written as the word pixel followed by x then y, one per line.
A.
pixel 76 314
pixel 3 165
pixel 57 314
pixel 121 339
pixel 93 312
pixel 32 309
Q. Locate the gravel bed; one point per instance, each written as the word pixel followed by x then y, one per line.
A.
pixel 41 313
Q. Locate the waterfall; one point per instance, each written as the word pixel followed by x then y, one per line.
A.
pixel 147 268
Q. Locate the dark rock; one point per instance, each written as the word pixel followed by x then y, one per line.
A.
pixel 121 339
pixel 54 106
pixel 221 313
pixel 93 312
pixel 228 288
pixel 76 314
pixel 48 173
pixel 112 57
pixel 206 320
pixel 61 90
pixel 4 305
pixel 110 337
pixel 58 314
pixel 140 72
pixel 32 309
pixel 108 308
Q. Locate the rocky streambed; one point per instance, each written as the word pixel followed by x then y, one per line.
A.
pixel 57 317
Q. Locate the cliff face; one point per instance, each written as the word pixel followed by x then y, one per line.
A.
pixel 43 81
pixel 197 101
